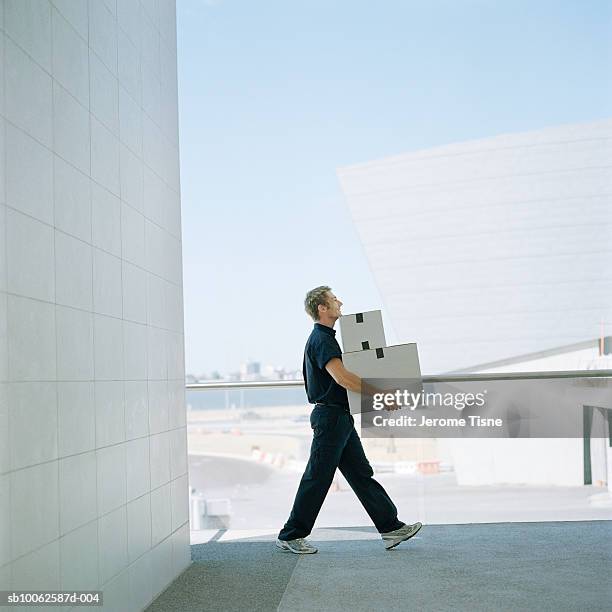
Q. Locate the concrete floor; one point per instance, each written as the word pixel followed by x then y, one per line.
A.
pixel 494 567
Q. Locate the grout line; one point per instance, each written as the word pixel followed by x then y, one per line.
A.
pixel 57 408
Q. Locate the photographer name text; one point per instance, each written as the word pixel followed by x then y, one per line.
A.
pixel 411 421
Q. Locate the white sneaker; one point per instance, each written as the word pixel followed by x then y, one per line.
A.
pixel 392 538
pixel 299 546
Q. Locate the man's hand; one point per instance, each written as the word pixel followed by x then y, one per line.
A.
pixel 393 406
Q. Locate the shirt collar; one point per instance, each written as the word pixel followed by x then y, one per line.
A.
pixel 328 330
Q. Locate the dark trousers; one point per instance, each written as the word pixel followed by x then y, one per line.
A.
pixel 336 445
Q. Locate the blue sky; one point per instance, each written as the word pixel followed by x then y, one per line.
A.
pixel 275 95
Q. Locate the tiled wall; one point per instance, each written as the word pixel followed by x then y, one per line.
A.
pixel 493 248
pixel 93 458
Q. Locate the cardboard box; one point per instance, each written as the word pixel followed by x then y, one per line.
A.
pixel 400 361
pixel 362 331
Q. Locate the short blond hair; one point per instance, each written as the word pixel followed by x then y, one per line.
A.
pixel 314 298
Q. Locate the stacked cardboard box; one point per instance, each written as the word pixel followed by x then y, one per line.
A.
pixel 367 355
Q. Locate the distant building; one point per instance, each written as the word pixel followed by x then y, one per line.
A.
pixel 250 370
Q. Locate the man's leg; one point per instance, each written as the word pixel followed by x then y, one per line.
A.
pixel 358 472
pixel 331 430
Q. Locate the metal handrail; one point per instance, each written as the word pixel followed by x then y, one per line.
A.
pixel 427 378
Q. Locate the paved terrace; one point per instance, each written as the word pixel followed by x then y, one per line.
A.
pixel 491 567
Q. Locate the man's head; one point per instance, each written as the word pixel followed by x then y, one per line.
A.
pixel 322 305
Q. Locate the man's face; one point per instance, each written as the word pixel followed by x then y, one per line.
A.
pixel 333 306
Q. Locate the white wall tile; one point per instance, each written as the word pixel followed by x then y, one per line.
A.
pixel 72 200
pixel 130 122
pixel 29 249
pixel 161 514
pixel 167 23
pixel 174 309
pixel 116 592
pixel 129 18
pixel 160 459
pixel 31 339
pixel 138 468
pixel 103 86
pixel 28 23
pixel 153 190
pixel 5 522
pixel 5 438
pixel 1 74
pixel 132 177
pixel 77 486
pixel 179 489
pixel 139 526
pixel 181 549
pixel 169 112
pixel 154 248
pixel 110 413
pixel 5 576
pixel 178 452
pixel 129 66
pixel 103 33
pixel 108 348
pixel 34 507
pixel 111 5
pixel 71 136
pixel 135 351
pixel 168 220
pixel 32 403
pixel 75 342
pixel 151 92
pixel 77 417
pixel 112 543
pixel 73 272
pixel 158 406
pixel 70 59
pixel 79 558
pixel 29 175
pixel 38 570
pixel 176 355
pixel 107 284
pixel 156 301
pixel 168 72
pixel 136 409
pixel 111 478
pixel 150 9
pixel 161 565
pixel 75 11
pixel 106 220
pixel 134 293
pixel 176 403
pixel 4 369
pixel 3 243
pixel 153 146
pixel 156 354
pixel 132 235
pixel 104 157
pixel 27 94
pixel 140 580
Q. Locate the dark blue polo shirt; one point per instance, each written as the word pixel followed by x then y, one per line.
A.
pixel 321 388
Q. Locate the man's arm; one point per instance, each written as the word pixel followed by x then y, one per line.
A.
pixel 351 381
pixel 342 376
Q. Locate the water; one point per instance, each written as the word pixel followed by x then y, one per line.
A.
pixel 218 399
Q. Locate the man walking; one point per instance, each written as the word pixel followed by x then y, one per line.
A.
pixel 335 441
